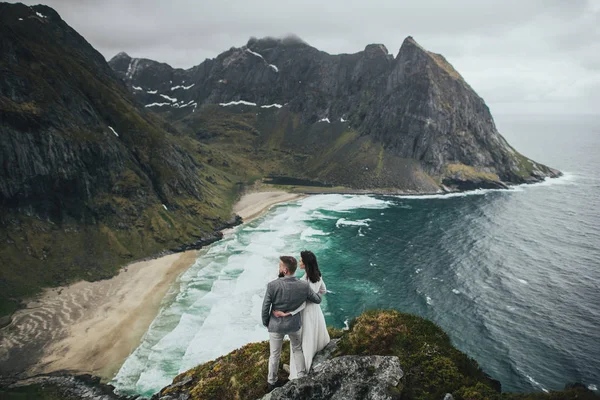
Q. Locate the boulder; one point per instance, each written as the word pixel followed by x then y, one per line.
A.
pixel 346 377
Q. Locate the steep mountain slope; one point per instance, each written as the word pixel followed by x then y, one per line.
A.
pixel 88 179
pixel 365 120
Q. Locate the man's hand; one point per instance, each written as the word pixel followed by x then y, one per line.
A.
pixel 280 314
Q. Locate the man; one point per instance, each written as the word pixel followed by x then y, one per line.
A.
pixel 286 294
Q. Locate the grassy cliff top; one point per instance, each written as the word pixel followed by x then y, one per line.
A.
pixel 432 365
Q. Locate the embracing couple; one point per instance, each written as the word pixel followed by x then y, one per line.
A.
pixel 291 307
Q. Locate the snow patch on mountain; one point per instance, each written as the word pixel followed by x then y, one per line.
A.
pixel 171 99
pixel 235 103
pixel 157 104
pixel 132 68
pixel 255 53
pixel 182 87
pixel 113 131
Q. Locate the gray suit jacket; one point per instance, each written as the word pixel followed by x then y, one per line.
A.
pixel 286 294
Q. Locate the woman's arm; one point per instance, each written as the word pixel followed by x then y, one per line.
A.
pixel 280 314
pixel 297 310
pixel 322 288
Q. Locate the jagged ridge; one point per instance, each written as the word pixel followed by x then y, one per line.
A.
pixel 415 123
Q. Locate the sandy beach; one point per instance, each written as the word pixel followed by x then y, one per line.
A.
pixel 254 204
pixel 92 327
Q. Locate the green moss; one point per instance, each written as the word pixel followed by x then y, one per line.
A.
pixel 7 105
pixel 35 392
pixel 525 168
pixel 469 172
pixel 477 392
pixel 380 162
pixel 344 139
pixel 241 374
pixel 335 333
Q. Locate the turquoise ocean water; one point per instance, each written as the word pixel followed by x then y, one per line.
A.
pixel 512 276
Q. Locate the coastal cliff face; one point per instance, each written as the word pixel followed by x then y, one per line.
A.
pixel 366 120
pixel 89 180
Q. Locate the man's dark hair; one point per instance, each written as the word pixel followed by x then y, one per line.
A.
pixel 290 262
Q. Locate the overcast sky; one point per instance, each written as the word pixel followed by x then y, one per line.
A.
pixel 519 55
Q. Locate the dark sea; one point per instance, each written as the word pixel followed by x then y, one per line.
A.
pixel 512 276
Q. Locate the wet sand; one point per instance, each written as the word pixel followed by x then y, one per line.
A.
pixel 254 204
pixel 90 327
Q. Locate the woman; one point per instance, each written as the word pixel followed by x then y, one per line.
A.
pixel 314 331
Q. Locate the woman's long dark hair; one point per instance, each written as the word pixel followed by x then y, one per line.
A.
pixel 311 266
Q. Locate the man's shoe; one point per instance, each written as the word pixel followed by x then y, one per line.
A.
pixel 276 385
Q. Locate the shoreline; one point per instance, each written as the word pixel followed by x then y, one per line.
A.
pixel 92 327
pixel 254 204
pixel 304 191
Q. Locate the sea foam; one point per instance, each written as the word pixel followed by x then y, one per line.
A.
pixel 216 306
pixel 345 222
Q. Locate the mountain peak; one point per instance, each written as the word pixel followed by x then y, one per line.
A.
pixel 122 54
pixel 410 49
pixel 410 44
pixel 376 49
pixel 410 40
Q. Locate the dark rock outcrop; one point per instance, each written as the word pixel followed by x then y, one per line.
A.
pixel 347 377
pixel 326 354
pixel 67 387
pixel 212 237
pixel 417 120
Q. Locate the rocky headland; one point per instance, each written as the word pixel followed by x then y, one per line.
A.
pixel 368 120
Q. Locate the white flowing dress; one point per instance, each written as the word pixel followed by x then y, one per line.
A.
pixel 314 330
